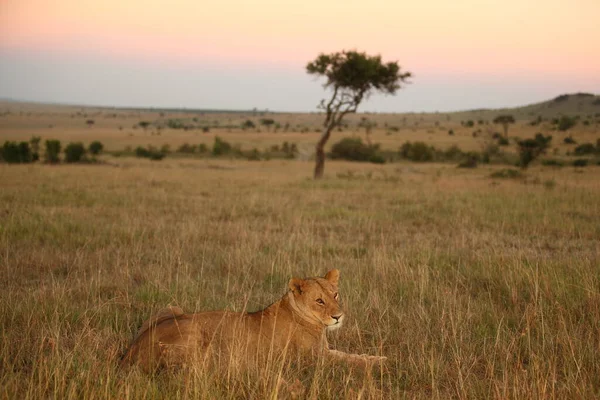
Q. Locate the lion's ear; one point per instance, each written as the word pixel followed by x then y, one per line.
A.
pixel 333 276
pixel 295 285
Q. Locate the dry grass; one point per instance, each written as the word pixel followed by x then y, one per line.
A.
pixel 473 288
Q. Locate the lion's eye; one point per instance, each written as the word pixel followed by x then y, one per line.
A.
pixel 321 302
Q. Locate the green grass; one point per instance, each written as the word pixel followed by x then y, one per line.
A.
pixel 472 287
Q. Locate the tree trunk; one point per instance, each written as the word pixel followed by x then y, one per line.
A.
pixel 320 153
pixel 505 126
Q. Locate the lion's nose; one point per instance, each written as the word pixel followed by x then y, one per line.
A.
pixel 337 317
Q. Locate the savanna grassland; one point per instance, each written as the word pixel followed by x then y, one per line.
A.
pixel 473 287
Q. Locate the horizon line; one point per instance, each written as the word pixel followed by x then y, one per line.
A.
pixel 267 110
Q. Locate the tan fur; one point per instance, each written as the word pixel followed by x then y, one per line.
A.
pixel 295 324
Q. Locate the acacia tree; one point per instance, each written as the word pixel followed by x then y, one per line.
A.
pixel 352 76
pixel 505 120
pixel 368 125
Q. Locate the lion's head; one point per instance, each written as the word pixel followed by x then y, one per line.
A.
pixel 317 299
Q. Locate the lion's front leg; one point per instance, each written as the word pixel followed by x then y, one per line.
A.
pixel 361 360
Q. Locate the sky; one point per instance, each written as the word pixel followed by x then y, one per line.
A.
pixel 244 54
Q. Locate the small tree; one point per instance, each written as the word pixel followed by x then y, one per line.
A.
pixel 90 122
pixel 352 76
pixel 248 124
pixel 52 151
pixel 368 125
pixel 267 122
pixel 144 124
pixel 505 120
pixel 96 148
pixel 530 149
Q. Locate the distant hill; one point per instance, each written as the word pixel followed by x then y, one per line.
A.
pixel 582 104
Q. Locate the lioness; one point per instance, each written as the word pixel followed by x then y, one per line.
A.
pixel 296 324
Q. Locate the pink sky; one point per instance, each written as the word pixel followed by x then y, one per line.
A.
pixel 434 39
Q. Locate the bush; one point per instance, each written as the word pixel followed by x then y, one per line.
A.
pixel 580 162
pixel 453 153
pixel 15 153
pixel 289 150
pixel 253 155
pixel 96 148
pixel 502 141
pixel 175 124
pixel 150 152
pixel 566 123
pixel 471 160
pixel 35 147
pixel 186 148
pixel 584 149
pixel 507 173
pixel 417 151
pixel 353 149
pixel 248 124
pixel 221 147
pixel 53 151
pixel 530 149
pixel 569 140
pixel 551 162
pixel 74 152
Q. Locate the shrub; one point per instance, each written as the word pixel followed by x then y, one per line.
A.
pixel 150 152
pixel 202 148
pixel 451 132
pixel 551 162
pixel 74 152
pixel 584 149
pixel 221 147
pixel 502 141
pixel 569 140
pixel 471 160
pixel 205 129
pixel 35 147
pixel 253 155
pixel 566 123
pixel 530 149
pixel 175 124
pixel 53 151
pixel 353 149
pixel 248 124
pixel 506 173
pixel 417 151
pixel 13 152
pixel 186 148
pixel 453 153
pixel 156 155
pixel 96 148
pixel 580 162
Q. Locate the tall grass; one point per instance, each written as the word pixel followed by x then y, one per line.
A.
pixel 472 288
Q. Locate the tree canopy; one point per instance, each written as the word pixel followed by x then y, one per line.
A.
pixel 504 120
